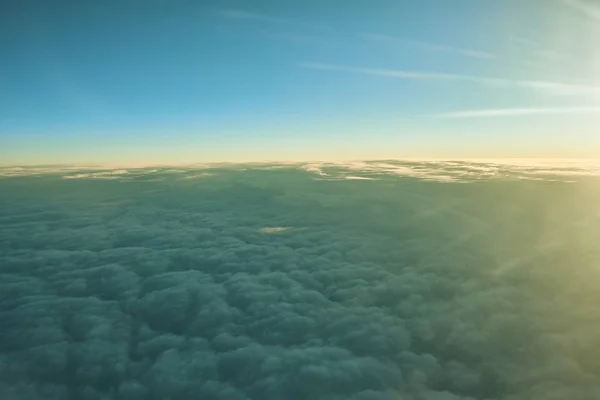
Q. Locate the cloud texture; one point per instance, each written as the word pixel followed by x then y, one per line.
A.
pixel 297 283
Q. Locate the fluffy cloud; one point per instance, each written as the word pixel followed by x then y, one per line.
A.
pixel 272 283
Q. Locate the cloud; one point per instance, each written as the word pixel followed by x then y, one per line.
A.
pixel 433 170
pixel 560 89
pixel 99 175
pixel 515 112
pixel 430 46
pixel 398 291
pixel 456 171
pixel 200 175
pixel 550 88
pixel 358 178
pixel 275 229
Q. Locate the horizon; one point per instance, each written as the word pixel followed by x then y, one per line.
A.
pixel 476 160
pixel 570 171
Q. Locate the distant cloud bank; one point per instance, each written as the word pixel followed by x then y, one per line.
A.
pixel 434 170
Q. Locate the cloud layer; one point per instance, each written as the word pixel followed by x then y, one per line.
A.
pixel 300 282
pixel 432 170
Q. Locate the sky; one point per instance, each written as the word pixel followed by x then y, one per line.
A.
pixel 199 81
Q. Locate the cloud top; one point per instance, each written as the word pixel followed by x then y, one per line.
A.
pixel 300 282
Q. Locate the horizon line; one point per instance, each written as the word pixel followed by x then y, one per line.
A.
pixel 292 162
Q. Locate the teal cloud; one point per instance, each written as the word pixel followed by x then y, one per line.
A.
pixel 256 282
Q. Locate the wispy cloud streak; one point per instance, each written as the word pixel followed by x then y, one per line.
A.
pixel 561 89
pixel 515 112
pixel 429 46
pixel 553 88
pixel 382 72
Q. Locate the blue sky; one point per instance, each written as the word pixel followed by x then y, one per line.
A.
pixel 166 81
